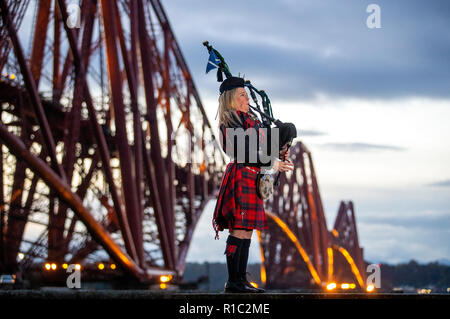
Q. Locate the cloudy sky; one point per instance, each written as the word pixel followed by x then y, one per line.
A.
pixel 373 106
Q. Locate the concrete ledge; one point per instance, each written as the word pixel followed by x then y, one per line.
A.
pixel 61 303
pixel 66 293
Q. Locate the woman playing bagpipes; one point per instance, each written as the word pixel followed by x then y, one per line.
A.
pixel 239 206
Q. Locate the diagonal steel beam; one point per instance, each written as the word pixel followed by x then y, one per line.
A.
pixel 32 90
pixel 56 52
pixel 127 171
pixel 323 232
pixel 141 155
pixel 159 214
pixel 81 192
pixel 137 124
pixel 160 165
pixel 63 191
pixel 74 118
pixel 100 137
pixel 40 32
pixel 170 166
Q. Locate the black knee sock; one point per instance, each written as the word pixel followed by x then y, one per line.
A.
pixel 233 250
pixel 243 259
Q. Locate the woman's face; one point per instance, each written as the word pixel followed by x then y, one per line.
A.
pixel 241 100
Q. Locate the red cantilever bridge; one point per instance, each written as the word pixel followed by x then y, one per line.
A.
pixel 97 115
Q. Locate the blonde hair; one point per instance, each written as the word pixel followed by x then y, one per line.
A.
pixel 227 112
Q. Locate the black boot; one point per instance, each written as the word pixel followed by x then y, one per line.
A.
pixel 233 251
pixel 243 260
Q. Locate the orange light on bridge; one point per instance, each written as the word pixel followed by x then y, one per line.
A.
pixel 263 268
pixel 370 288
pixel 165 278
pixel 113 266
pixel 163 286
pixel 331 286
pixel 299 247
pixel 65 266
pixel 101 266
pixel 254 284
pixel 330 263
pixel 348 286
pixel 352 264
pixel 202 167
pixel 50 266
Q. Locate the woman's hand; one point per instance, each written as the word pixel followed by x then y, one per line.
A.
pixel 283 166
pixel 286 166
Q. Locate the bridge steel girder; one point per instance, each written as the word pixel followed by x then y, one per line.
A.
pixel 93 158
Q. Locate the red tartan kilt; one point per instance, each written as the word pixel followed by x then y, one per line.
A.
pixel 238 205
pixel 252 207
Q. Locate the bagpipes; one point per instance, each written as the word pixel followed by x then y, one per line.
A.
pixel 216 60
